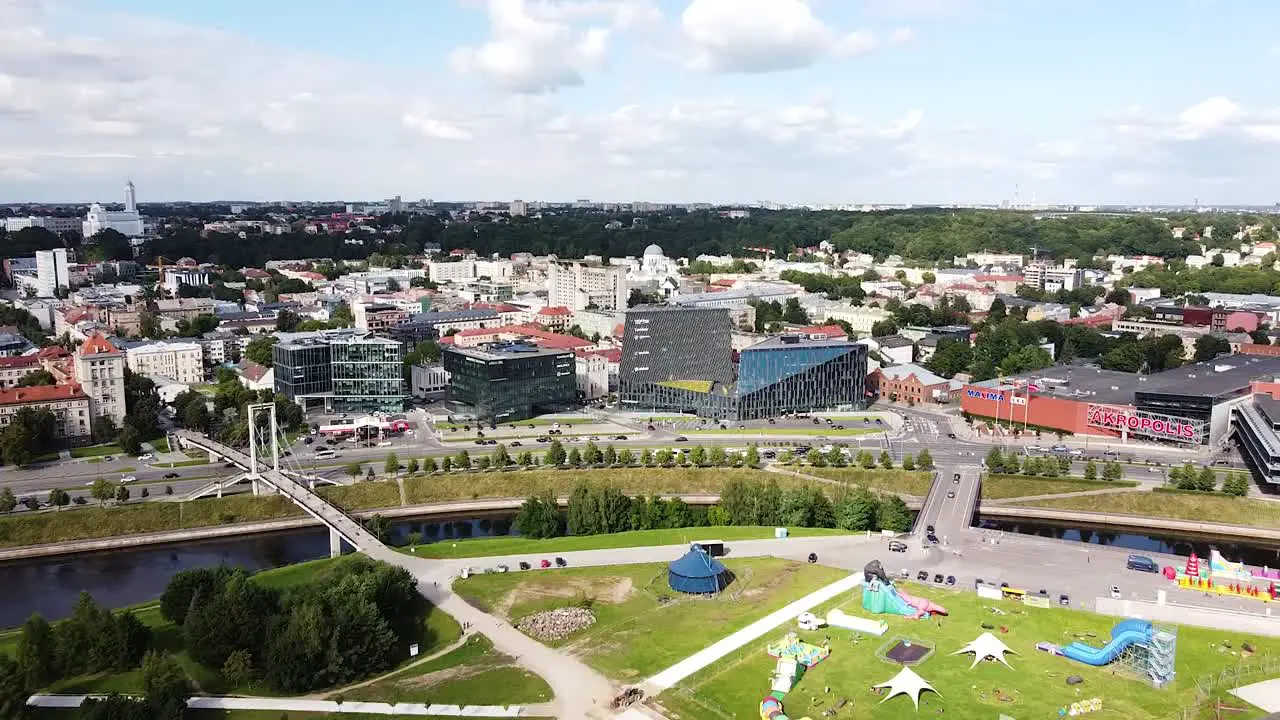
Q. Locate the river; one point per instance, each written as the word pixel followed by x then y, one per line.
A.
pixel 128 577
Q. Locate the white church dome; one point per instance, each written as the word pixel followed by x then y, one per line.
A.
pixel 653 251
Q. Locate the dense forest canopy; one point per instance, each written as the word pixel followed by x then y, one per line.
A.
pixel 924 235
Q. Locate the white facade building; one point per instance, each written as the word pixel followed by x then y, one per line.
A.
pixel 592 374
pixel 51 272
pixel 428 381
pixel 175 278
pixel 442 272
pixel 579 285
pixel 99 367
pixel 56 225
pixel 183 362
pixel 127 222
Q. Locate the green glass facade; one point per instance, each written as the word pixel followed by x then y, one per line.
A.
pixel 503 383
pixel 368 374
pixel 302 369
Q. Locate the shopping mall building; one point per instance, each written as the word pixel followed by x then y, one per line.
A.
pixel 1210 403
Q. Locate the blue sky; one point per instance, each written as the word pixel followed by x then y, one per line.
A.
pixel 826 101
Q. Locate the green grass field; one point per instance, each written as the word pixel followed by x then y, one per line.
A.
pixel 473 674
pixel 1035 687
pixel 1200 508
pixel 999 487
pixel 481 547
pixel 910 482
pixel 96 451
pixel 184 463
pixel 363 495
pixel 641 625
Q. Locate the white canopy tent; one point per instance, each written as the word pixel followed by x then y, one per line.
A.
pixel 906 682
pixel 986 646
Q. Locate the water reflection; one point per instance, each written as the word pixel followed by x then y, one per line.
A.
pixel 1250 553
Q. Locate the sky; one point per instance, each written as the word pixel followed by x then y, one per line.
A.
pixel 725 101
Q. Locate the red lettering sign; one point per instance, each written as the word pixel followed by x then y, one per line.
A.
pixel 1115 418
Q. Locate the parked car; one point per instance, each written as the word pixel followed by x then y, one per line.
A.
pixel 896 546
pixel 1064 600
pixel 128 478
pixel 385 443
pixel 308 440
pixel 524 565
pixel 502 568
pixel 560 562
pixel 951 579
pixel 929 529
pixel 170 475
pixel 1115 592
pixel 813 557
pixel 545 564
pixel 146 457
pixel 107 458
pixel 937 578
pixel 923 576
pixel 951 435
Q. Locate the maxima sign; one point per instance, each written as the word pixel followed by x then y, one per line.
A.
pixel 1165 427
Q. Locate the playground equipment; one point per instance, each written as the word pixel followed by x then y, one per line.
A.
pixel 794 658
pixel 809 621
pixel 1147 650
pixel 771 709
pixel 804 653
pixel 1082 707
pixel 840 619
pixel 880 595
pixel 1225 578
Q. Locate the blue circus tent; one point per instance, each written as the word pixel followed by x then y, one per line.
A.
pixel 697 572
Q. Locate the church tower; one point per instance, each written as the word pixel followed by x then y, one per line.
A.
pixel 130 197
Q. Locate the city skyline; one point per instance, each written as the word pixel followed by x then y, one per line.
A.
pixel 875 102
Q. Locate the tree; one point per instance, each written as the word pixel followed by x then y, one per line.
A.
pixel 886 461
pixel 591 454
pixel 753 456
pixel 7 500
pixel 575 457
pixel 1091 470
pixel 1207 480
pixel 462 460
pixel 1236 484
pixel 884 328
pixel 36 652
pixel 908 462
pixel 102 491
pixel 1118 296
pixel 925 460
pixel 539 517
pixel 1112 471
pixel 858 510
pixel 165 685
pixel 1210 346
pixel 646 457
pixel 37 377
pixel 287 321
pixel 610 455
pixel 894 515
pixel 14 689
pixel 483 462
pixel 429 465
pixel 130 439
pixel 866 459
pixel 238 670
pixel 58 498
pixel 104 429
pixel 391 466
pixel 556 454
pixel 698 455
pixel 412 466
pixel 793 313
pixel 815 458
pixel 626 457
pixel 995 460
pixel 353 470
pixel 122 493
pixel 259 349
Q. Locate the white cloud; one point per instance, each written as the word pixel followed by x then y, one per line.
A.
pixel 435 128
pixel 541 45
pixel 902 36
pixel 757 36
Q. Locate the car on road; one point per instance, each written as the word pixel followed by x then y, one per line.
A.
pixel 929 529
pixel 545 564
pixel 955 478
pixel 560 562
pixel 515 443
pixel 524 565
pixel 937 578
pixel 479 442
pixel 384 443
pixel 1059 448
pixel 1077 452
pixel 951 435
pixel 128 478
pixel 146 457
pixel 951 579
pixel 620 437
pixel 896 546
pixel 681 438
pixel 1064 600
pixel 308 440
pixel 951 493
pixel 923 576
pixel 1154 470
pixel 466 572
pixel 932 538
pixel 90 483
pixel 1115 592
pixel 501 568
pixel 170 475
pixel 544 439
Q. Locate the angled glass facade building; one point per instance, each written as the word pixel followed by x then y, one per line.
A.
pixel 368 374
pixel 303 369
pixel 791 373
pixel 504 382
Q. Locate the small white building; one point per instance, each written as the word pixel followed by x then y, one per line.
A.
pixel 428 381
pixel 592 374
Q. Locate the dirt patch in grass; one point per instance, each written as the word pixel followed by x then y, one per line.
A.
pixel 601 589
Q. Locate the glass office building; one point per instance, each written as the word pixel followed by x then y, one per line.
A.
pixel 368 374
pixel 677 359
pixel 504 382
pixel 303 369
pixel 792 373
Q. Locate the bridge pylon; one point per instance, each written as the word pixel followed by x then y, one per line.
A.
pixel 256 410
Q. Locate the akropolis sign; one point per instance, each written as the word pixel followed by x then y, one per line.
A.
pixel 1143 423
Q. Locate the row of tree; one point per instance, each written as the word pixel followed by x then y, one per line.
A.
pixel 1205 479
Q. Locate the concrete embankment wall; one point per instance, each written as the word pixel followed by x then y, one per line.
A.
pixel 1129 522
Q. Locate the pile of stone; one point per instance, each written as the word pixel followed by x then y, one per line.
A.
pixel 556 624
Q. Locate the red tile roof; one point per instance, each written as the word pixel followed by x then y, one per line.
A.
pixel 555 310
pixel 41 393
pixel 542 338
pixel 19 361
pixel 98 345
pixel 831 331
pixel 53 351
pixel 252 370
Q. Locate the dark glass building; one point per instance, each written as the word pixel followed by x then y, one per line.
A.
pixel 791 373
pixel 368 374
pixel 677 359
pixel 303 368
pixel 504 382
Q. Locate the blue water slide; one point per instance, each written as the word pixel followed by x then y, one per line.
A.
pixel 1123 635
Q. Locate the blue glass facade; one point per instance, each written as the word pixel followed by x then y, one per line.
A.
pixel 790 374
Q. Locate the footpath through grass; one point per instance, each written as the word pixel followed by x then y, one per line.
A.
pixel 909 482
pixel 473 674
pixel 641 625
pixel 1033 687
pixel 999 487
pixel 1198 508
pixel 483 547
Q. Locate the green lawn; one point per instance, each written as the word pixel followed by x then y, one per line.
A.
pixel 795 432
pixel 641 625
pixel 482 547
pixel 998 487
pixel 362 495
pixel 634 481
pixel 96 451
pixel 183 463
pixel 473 674
pixel 161 444
pixel 910 482
pixel 1035 687
pixel 1200 508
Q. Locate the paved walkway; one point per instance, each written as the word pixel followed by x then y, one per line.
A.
pixel 462 640
pixel 701 659
pixel 309 706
